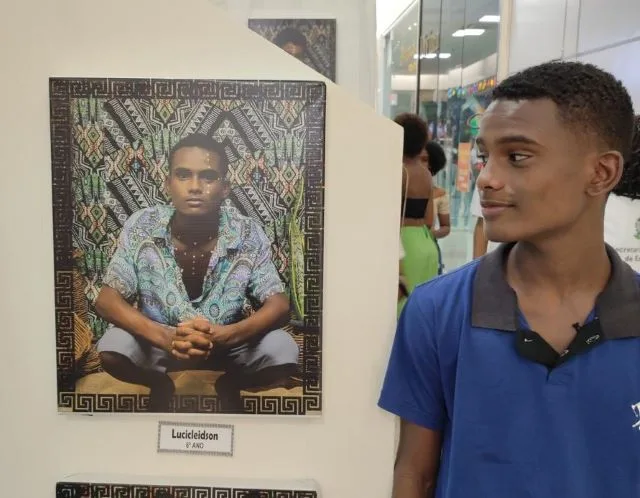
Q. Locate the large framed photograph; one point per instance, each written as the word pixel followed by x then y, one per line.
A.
pixel 313 41
pixel 188 245
pixel 89 490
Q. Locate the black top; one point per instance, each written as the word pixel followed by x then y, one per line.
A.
pixel 415 208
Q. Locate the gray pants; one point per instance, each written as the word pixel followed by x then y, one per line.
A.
pixel 272 349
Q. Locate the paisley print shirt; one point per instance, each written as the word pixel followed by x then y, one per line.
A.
pixel 144 270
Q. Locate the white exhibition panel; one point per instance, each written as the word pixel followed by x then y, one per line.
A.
pixel 349 450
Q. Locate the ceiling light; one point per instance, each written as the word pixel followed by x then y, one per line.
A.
pixel 468 32
pixel 489 18
pixel 444 55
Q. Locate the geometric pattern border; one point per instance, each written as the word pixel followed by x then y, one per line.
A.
pixel 61 92
pixel 84 490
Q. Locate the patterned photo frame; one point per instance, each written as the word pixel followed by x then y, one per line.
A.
pixel 84 490
pixel 313 41
pixel 109 143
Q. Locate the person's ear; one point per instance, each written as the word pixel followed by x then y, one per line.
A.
pixel 606 173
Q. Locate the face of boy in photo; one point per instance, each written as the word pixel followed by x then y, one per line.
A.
pixel 293 49
pixel 539 176
pixel 196 182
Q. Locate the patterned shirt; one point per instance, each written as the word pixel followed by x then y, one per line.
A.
pixel 144 269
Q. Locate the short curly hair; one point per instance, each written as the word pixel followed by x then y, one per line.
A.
pixel 588 99
pixel 415 133
pixel 437 157
pixel 290 35
pixel 629 184
pixel 203 142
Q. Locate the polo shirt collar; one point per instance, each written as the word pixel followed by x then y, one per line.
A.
pixel 495 305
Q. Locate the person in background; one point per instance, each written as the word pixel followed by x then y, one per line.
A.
pixel 622 213
pixel 518 375
pixel 421 252
pixel 436 159
pixel 292 41
pixel 474 169
pixel 403 293
pixel 480 242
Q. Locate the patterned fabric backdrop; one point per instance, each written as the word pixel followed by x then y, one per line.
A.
pixel 81 490
pixel 110 145
pixel 320 34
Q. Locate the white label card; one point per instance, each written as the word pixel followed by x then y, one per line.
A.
pixel 198 439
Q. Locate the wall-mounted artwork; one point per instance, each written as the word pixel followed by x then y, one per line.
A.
pixel 88 490
pixel 313 41
pixel 188 244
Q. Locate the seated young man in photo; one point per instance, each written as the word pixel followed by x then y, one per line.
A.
pixel 518 375
pixel 190 268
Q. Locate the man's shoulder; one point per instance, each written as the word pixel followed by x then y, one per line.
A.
pixel 452 290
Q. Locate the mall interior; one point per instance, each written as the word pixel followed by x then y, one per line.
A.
pixel 441 59
pixel 85 85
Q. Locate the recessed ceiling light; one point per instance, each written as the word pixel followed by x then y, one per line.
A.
pixel 489 18
pixel 468 32
pixel 444 55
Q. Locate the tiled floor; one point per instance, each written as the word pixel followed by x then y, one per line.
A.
pixel 457 248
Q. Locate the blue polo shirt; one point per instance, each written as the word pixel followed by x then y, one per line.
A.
pixel 517 419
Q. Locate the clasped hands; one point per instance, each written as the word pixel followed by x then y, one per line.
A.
pixel 196 338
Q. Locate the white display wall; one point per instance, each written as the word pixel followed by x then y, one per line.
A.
pixel 356 34
pixel 349 450
pixel 605 34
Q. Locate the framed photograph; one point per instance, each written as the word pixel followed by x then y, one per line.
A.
pixel 313 41
pixel 188 245
pixel 87 490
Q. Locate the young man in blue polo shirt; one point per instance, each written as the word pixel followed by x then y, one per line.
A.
pixel 518 375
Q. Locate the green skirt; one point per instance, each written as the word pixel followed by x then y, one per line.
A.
pixel 421 262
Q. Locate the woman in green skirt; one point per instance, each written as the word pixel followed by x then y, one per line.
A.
pixel 420 262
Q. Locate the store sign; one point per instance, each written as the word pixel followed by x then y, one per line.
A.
pixel 203 439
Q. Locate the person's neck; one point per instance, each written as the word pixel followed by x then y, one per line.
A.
pixel 410 162
pixel 195 229
pixel 569 263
